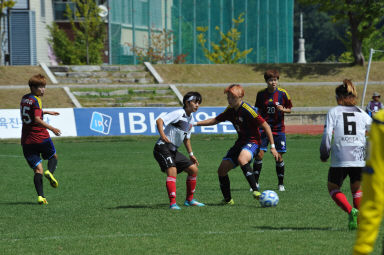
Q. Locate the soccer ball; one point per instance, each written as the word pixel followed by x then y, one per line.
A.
pixel 269 198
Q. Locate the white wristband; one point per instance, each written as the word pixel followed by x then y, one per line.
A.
pixel 191 154
pixel 272 146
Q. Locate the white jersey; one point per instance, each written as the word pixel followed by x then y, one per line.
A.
pixel 178 126
pixel 349 125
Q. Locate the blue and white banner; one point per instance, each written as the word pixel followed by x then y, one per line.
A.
pixel 109 121
pixel 138 121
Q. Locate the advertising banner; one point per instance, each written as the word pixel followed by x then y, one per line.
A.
pixel 11 124
pixel 139 121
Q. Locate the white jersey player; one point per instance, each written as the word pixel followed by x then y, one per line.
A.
pixel 178 125
pixel 348 124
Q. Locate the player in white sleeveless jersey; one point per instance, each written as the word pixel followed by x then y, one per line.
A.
pixel 348 124
pixel 178 125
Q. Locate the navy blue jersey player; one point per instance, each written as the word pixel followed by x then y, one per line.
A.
pixel 246 122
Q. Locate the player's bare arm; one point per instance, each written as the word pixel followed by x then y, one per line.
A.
pixel 207 122
pixel 283 109
pixel 41 122
pixel 187 143
pixel 268 132
pixel 51 113
pixel 159 125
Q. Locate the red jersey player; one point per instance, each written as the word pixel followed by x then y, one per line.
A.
pixel 246 122
pixel 35 138
pixel 272 102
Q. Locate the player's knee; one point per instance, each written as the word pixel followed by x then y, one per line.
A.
pixel 193 170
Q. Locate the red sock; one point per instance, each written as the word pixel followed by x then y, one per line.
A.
pixel 191 186
pixel 341 200
pixel 356 198
pixel 171 188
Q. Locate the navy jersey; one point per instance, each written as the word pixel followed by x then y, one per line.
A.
pixel 266 103
pixel 246 122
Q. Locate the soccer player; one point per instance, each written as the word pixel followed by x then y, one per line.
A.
pixel 374 105
pixel 272 103
pixel 348 124
pixel 246 122
pixel 178 125
pixel 35 138
pixel 372 203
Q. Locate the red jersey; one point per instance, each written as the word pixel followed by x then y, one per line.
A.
pixel 246 122
pixel 31 106
pixel 266 104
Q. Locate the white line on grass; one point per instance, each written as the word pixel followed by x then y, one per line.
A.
pixel 11 156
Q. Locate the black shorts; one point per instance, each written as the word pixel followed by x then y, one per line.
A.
pixel 170 158
pixel 337 175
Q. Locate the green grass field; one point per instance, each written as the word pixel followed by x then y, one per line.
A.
pixel 112 199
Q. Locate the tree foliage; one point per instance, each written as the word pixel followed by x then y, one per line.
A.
pixel 89 35
pixel 363 16
pixel 226 50
pixel 3 4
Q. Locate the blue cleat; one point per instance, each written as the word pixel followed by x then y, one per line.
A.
pixel 193 202
pixel 174 207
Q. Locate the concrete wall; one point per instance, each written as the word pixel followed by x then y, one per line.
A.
pixel 305 119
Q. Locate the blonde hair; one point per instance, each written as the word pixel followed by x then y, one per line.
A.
pixel 235 89
pixel 346 93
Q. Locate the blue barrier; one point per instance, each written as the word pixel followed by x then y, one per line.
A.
pixel 138 121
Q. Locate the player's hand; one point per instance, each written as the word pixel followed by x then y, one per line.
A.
pixel 275 153
pixel 280 108
pixel 56 131
pixel 165 139
pixel 52 113
pixel 194 160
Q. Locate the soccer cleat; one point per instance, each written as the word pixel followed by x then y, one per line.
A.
pixel 256 194
pixel 281 188
pixel 257 186
pixel 352 219
pixel 230 202
pixel 51 179
pixel 174 207
pixel 41 200
pixel 193 202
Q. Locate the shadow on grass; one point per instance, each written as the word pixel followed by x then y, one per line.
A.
pixel 146 206
pixel 18 203
pixel 296 228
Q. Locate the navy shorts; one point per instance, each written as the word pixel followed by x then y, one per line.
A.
pixel 167 157
pixel 337 175
pixel 279 140
pixel 33 151
pixel 234 152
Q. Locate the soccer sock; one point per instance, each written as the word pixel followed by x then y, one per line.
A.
pixel 341 200
pixel 191 186
pixel 280 172
pixel 247 171
pixel 257 165
pixel 356 198
pixel 52 164
pixel 38 180
pixel 225 186
pixel 171 188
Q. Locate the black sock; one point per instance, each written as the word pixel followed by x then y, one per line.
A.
pixel 52 164
pixel 280 172
pixel 225 186
pixel 257 165
pixel 38 180
pixel 248 173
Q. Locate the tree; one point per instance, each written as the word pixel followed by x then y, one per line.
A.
pixel 3 4
pixel 89 35
pixel 361 15
pixel 226 51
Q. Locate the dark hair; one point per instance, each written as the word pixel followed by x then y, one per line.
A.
pixel 37 80
pixel 192 95
pixel 271 74
pixel 346 93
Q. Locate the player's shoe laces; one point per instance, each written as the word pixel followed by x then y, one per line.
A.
pixel 281 188
pixel 352 219
pixel 41 200
pixel 256 194
pixel 174 207
pixel 193 202
pixel 51 179
pixel 257 186
pixel 230 202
